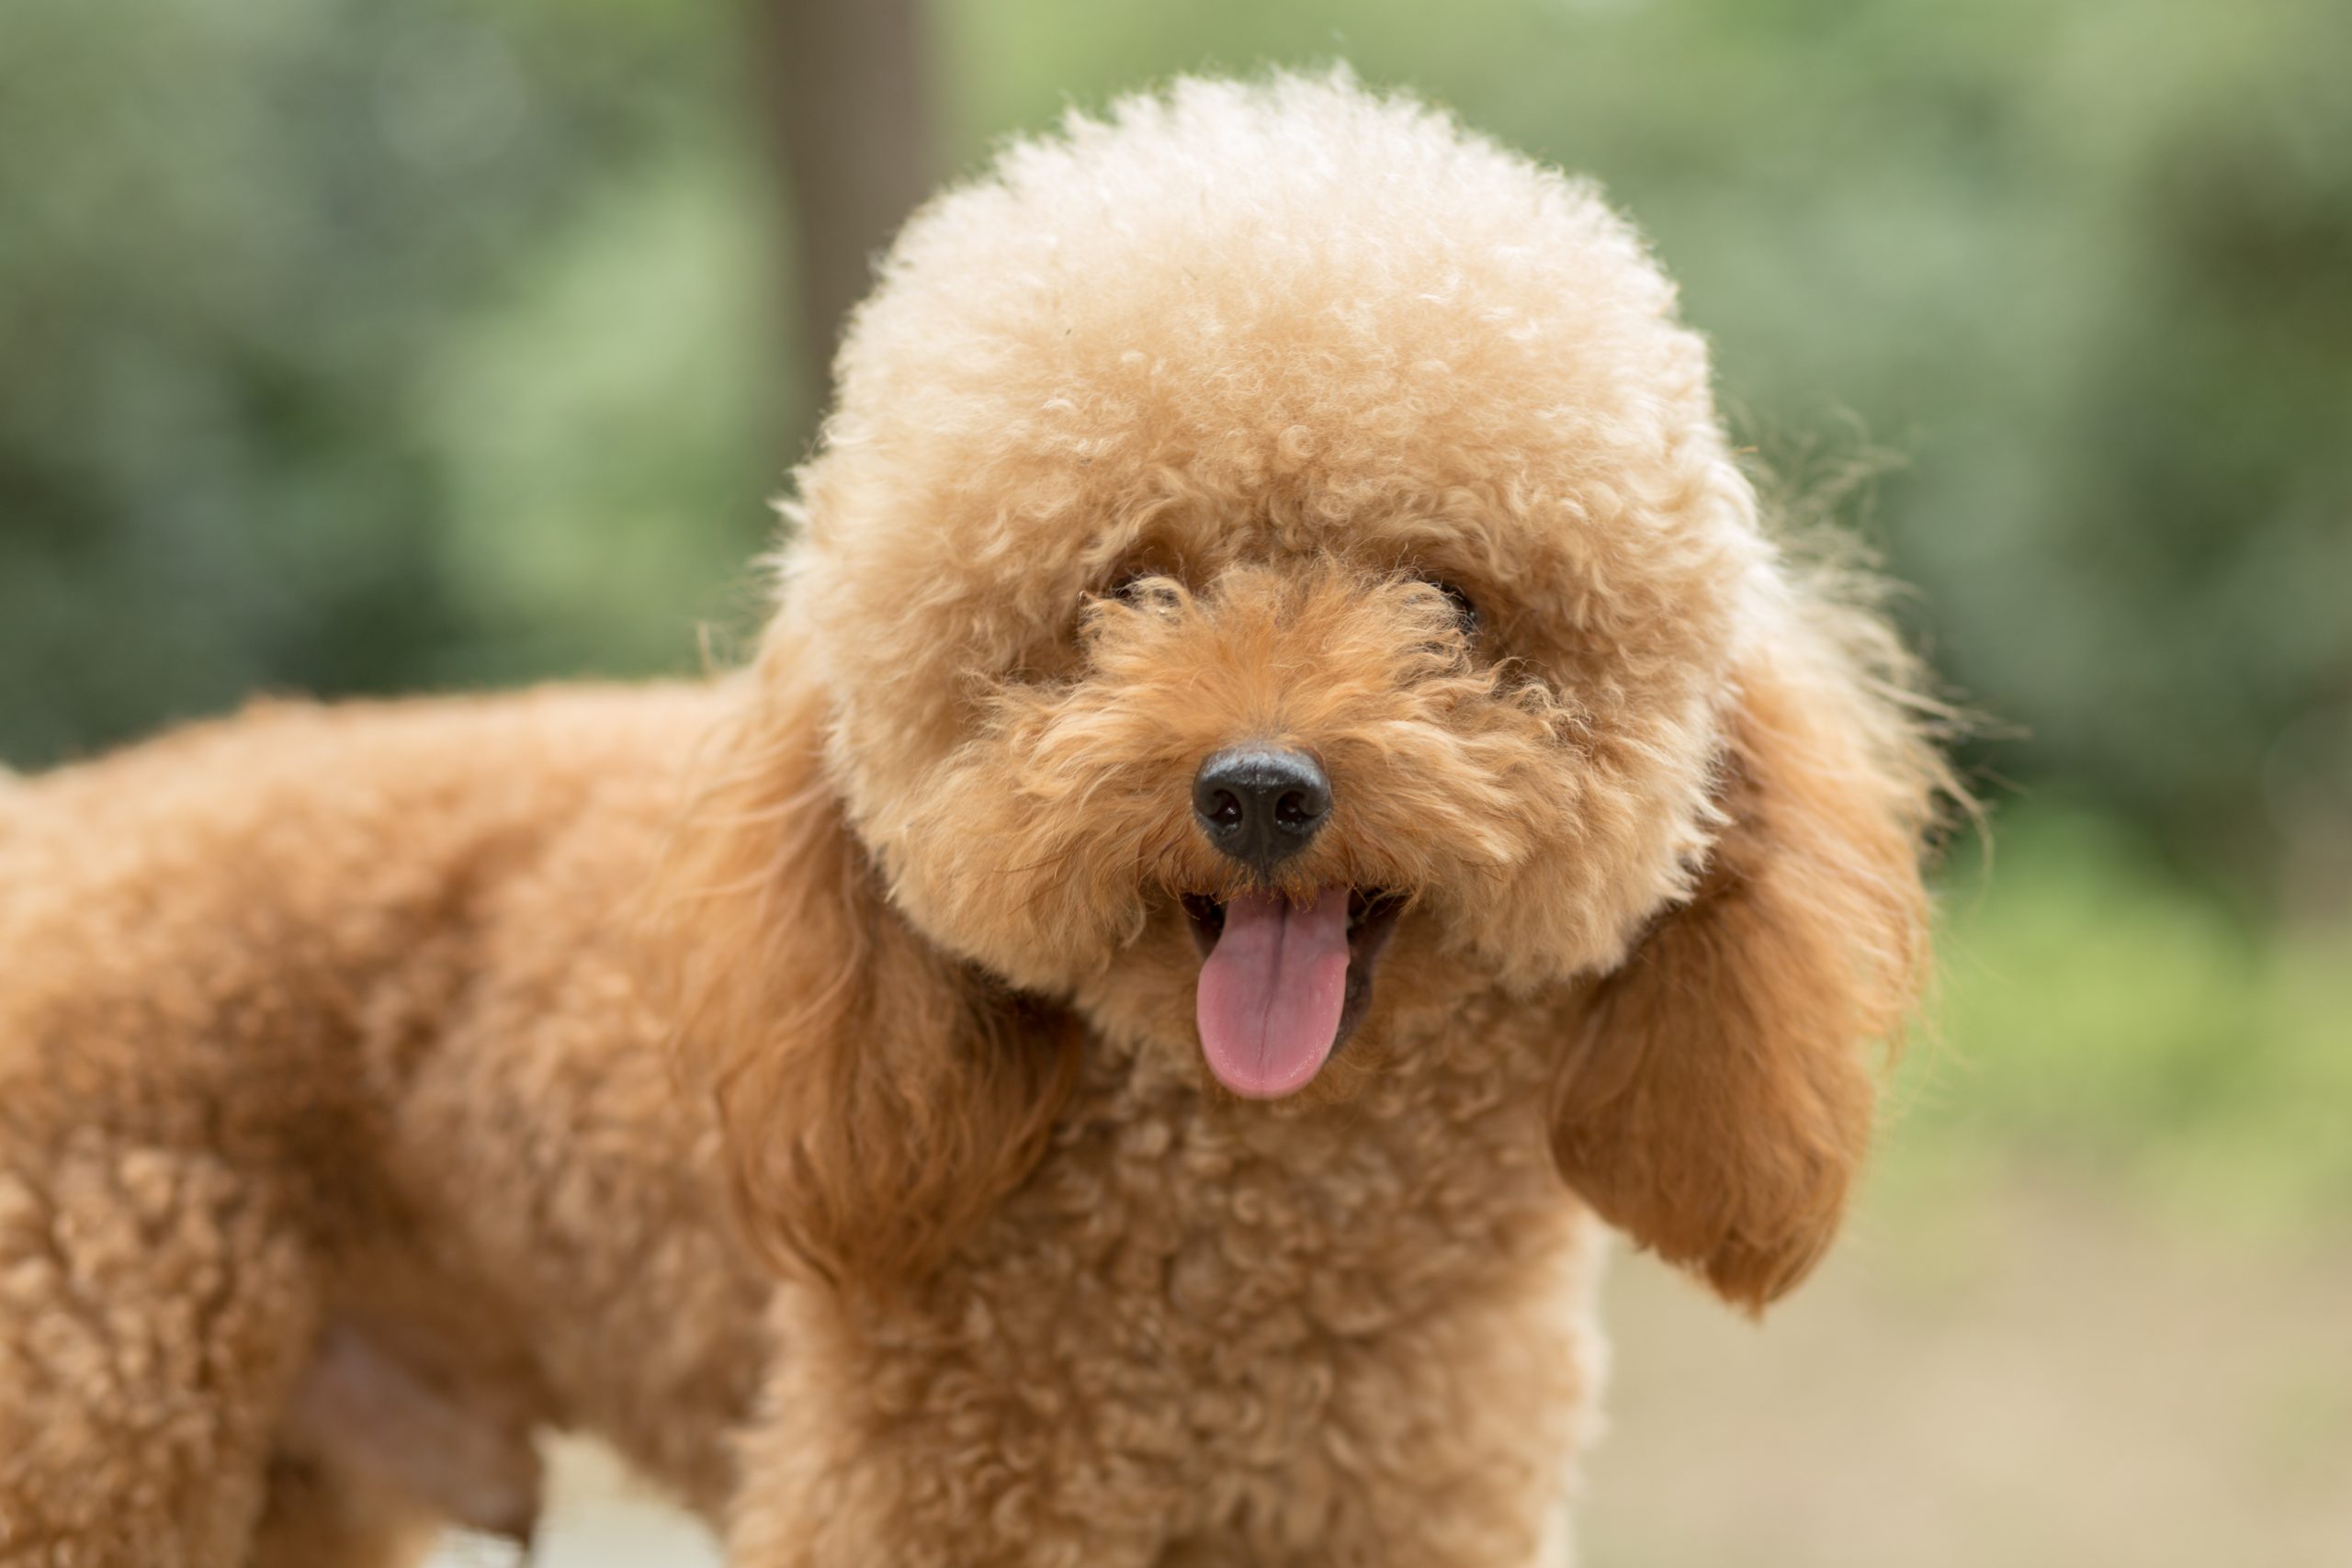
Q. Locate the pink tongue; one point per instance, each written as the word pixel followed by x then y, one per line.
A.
pixel 1271 989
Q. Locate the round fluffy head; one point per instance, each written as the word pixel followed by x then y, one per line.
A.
pixel 1162 439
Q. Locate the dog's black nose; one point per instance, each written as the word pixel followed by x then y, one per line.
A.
pixel 1261 805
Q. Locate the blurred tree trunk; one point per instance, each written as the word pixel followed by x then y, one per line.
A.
pixel 846 86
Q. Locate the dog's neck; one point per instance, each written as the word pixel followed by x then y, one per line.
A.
pixel 1438 1121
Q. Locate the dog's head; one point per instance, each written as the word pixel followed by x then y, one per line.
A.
pixel 1274 577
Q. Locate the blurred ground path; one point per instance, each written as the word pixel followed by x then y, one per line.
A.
pixel 2036 1379
pixel 597 1519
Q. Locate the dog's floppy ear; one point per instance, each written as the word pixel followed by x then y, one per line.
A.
pixel 1716 1097
pixel 875 1096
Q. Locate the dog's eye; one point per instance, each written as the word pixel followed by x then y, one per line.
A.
pixel 1144 588
pixel 1465 611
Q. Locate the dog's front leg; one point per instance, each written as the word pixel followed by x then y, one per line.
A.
pixel 938 1494
pixel 934 1440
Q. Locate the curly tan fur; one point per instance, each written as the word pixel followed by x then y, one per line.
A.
pixel 872 1193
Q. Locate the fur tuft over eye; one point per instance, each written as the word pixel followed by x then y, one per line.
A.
pixel 1145 589
pixel 1464 610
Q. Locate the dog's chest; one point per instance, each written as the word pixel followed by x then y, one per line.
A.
pixel 1234 1273
pixel 1249 1332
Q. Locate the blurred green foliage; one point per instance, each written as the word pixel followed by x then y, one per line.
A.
pixel 356 347
pixel 320 315
pixel 2105 1018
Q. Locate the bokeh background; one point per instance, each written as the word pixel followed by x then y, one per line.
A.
pixel 350 347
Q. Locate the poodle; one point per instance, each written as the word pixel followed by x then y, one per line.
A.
pixel 1286 788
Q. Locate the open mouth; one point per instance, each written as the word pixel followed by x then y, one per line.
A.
pixel 1284 984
